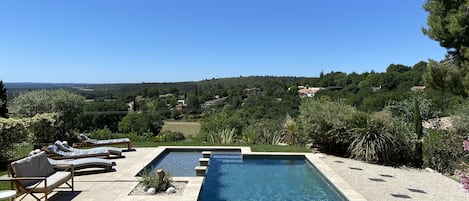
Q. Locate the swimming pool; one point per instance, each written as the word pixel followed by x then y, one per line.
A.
pixel 232 178
pixel 177 163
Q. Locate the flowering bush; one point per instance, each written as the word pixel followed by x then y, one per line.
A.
pixel 11 131
pixel 465 169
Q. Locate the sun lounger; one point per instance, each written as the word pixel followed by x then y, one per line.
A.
pixel 85 141
pixel 79 163
pixel 56 153
pixel 65 147
pixel 34 174
pixel 82 163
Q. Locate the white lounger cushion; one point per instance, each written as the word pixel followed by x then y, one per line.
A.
pixel 81 163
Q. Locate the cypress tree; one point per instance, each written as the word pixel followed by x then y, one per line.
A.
pixel 419 133
pixel 3 100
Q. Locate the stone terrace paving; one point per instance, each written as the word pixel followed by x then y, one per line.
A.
pixel 357 180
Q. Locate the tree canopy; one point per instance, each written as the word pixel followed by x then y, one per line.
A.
pixel 3 100
pixel 448 23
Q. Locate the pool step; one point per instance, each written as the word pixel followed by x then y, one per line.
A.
pixel 204 161
pixel 232 161
pixel 228 158
pixel 206 154
pixel 200 170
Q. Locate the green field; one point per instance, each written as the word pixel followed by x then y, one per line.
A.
pixel 186 128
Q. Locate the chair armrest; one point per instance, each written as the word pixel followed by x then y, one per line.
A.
pixel 5 178
pixel 28 178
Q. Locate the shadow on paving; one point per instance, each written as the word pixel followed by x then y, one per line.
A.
pixel 90 172
pixel 401 196
pixel 64 195
pixel 386 175
pixel 416 190
pixel 377 180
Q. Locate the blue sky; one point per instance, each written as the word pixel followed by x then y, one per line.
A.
pixel 117 41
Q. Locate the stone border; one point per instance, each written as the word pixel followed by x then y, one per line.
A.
pixel 194 184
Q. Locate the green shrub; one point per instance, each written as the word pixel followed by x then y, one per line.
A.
pixel 169 136
pixel 402 153
pixel 105 133
pixel 263 131
pixel 225 120
pixel 327 124
pixel 135 137
pixel 12 131
pixel 141 123
pixel 66 105
pixel 442 150
pixel 150 179
pixel 89 121
pixel 102 134
pixel 46 128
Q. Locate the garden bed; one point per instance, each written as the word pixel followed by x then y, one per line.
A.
pixel 141 190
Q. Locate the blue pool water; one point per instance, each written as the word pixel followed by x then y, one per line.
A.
pixel 233 178
pixel 178 164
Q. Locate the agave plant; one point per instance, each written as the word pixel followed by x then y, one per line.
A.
pixel 227 136
pixel 371 139
pixel 224 136
pixel 269 136
pixel 291 130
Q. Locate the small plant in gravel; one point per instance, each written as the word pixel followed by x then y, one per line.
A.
pixel 151 179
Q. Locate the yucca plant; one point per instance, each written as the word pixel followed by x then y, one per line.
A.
pixel 270 137
pixel 291 130
pixel 248 137
pixel 224 136
pixel 227 136
pixel 371 139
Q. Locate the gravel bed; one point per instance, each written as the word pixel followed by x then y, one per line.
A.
pixel 179 186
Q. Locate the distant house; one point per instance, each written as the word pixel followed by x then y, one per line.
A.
pixel 214 101
pixel 182 102
pixel 375 89
pixel 253 91
pixel 417 88
pixel 439 123
pixel 166 95
pixel 308 92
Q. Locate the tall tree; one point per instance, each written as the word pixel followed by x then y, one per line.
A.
pixel 3 100
pixel 448 23
pixel 418 131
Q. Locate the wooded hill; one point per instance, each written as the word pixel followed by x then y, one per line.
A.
pixel 368 91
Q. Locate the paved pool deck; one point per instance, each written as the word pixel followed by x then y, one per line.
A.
pixel 357 180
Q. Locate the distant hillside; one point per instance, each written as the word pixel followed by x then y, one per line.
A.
pixel 33 85
pixel 127 90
